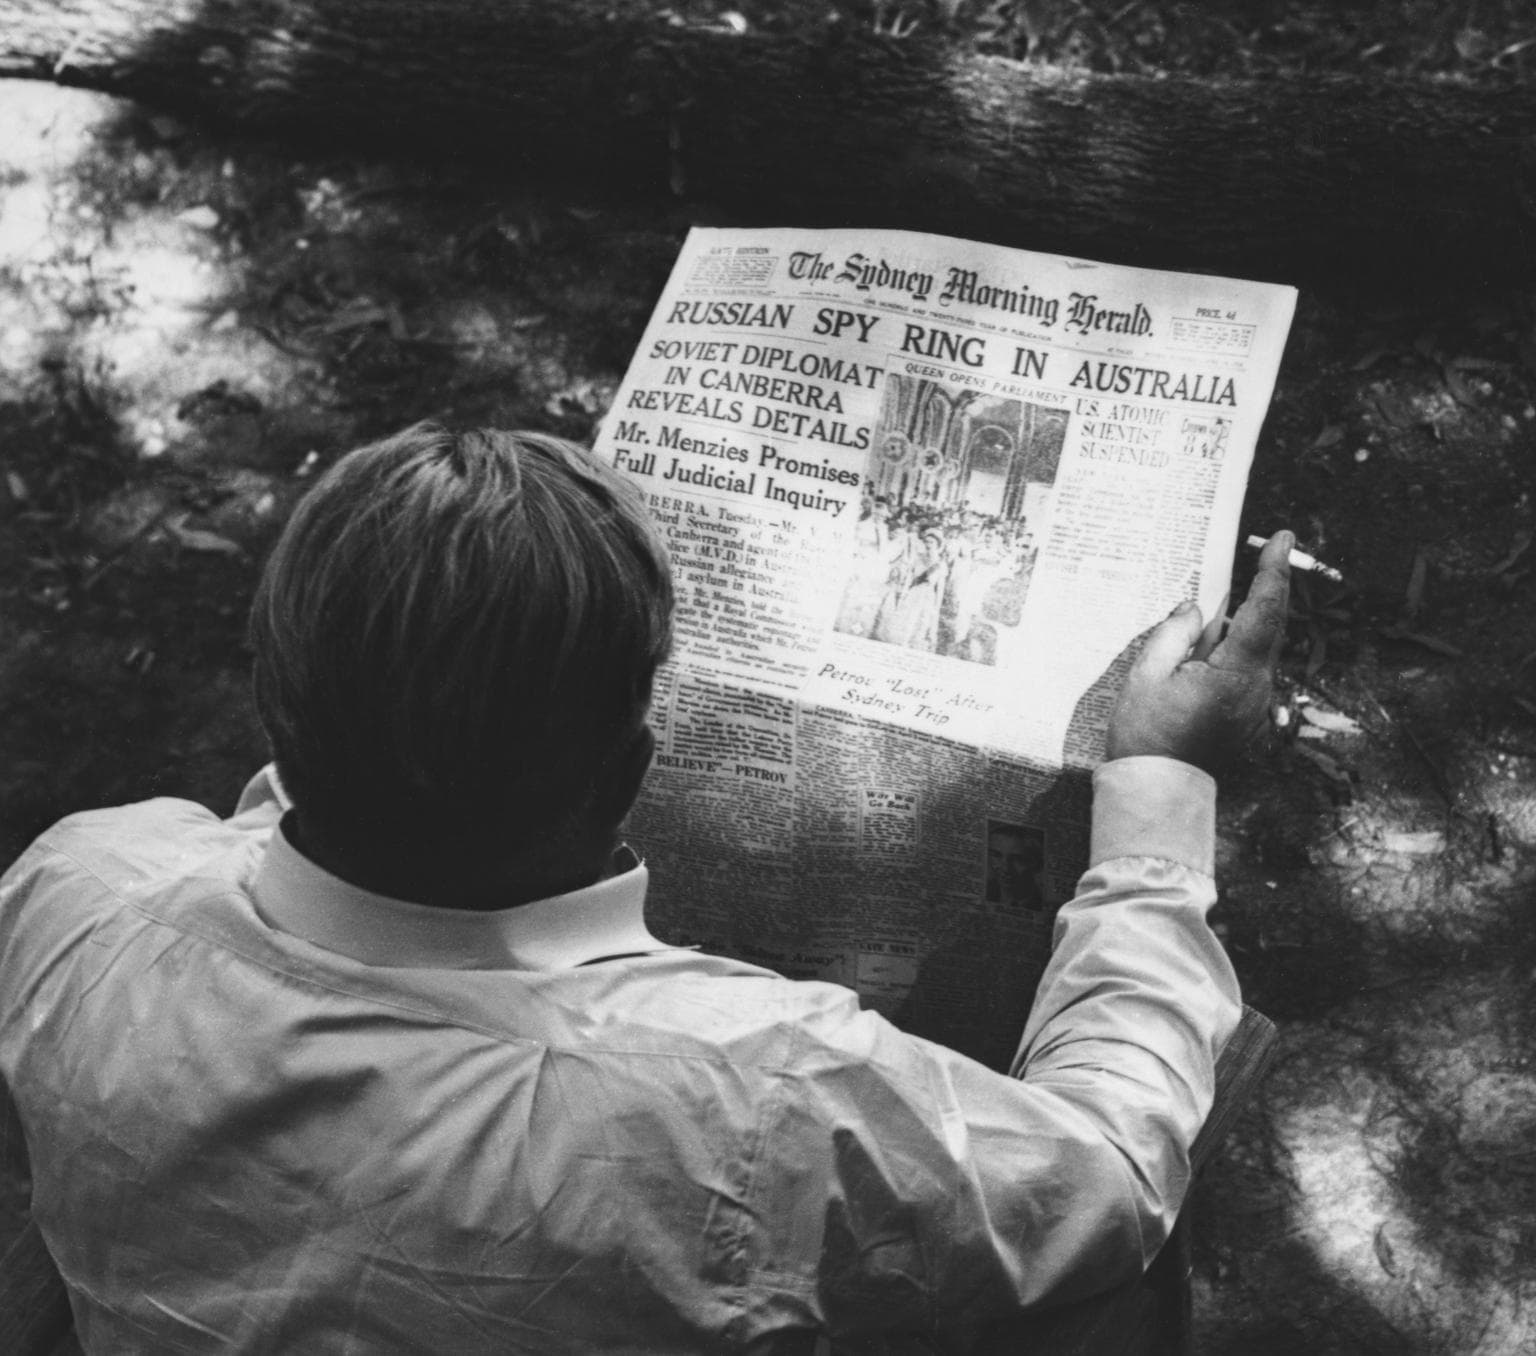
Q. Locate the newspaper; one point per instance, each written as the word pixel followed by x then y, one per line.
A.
pixel 922 498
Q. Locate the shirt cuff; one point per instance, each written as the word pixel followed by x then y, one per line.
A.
pixel 1154 807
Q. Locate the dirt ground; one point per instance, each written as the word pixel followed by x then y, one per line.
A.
pixel 191 325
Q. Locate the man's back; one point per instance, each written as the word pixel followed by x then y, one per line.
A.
pixel 403 1071
pixel 254 1143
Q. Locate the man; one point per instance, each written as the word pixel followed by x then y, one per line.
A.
pixel 1015 863
pixel 909 612
pixel 388 1061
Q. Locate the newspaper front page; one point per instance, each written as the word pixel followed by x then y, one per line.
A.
pixel 922 497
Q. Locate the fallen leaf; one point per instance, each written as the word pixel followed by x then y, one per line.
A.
pixel 357 317
pixel 1420 844
pixel 677 174
pixel 1414 598
pixel 590 398
pixel 1334 433
pixel 1324 764
pixel 1317 653
pixel 201 217
pixel 1457 385
pixel 196 539
pixel 1514 49
pixel 1471 44
pixel 1384 1252
pixel 1518 547
pixel 17 486
pixel 1427 642
pixel 1396 412
pixel 1334 722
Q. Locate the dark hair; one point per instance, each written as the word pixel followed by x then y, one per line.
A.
pixel 456 637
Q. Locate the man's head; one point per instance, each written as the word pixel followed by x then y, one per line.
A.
pixel 455 641
pixel 1015 859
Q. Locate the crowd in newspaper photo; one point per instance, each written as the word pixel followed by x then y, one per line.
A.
pixel 949 520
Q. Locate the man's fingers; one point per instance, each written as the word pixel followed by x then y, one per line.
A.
pixel 1171 639
pixel 1214 630
pixel 1258 629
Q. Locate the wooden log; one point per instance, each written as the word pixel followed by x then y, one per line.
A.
pixel 1416 182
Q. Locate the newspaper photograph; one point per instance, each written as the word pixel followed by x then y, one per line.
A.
pixel 922 497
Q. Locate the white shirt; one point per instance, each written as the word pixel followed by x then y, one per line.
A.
pixel 270 1112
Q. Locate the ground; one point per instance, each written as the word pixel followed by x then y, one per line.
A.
pixel 191 325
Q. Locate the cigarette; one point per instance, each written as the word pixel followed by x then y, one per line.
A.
pixel 1300 560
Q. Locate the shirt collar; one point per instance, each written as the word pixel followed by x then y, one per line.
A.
pixel 605 919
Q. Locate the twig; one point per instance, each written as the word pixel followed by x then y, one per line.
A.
pixel 68 54
pixel 1436 775
pixel 103 566
pixel 1348 824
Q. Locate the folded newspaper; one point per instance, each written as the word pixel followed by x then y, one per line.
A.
pixel 922 498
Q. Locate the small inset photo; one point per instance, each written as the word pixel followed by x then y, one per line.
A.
pixel 1015 865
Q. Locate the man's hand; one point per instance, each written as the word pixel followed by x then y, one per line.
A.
pixel 1197 696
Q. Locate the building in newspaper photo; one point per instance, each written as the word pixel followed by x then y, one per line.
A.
pixel 955 492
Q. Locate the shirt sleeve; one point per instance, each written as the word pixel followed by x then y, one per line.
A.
pixel 1139 997
pixel 959 1194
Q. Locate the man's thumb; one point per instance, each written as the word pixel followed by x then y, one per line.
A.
pixel 1171 640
